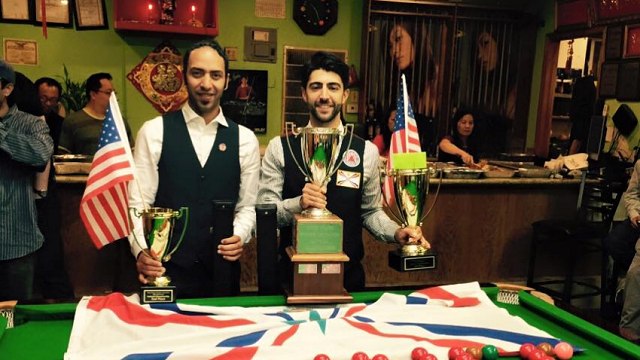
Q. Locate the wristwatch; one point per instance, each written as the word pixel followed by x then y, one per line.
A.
pixel 41 193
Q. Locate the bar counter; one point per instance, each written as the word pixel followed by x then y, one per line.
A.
pixel 480 230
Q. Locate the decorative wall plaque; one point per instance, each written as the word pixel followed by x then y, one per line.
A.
pixel 159 78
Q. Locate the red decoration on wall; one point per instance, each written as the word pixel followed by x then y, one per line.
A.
pixel 632 47
pixel 616 9
pixel 574 12
pixel 159 78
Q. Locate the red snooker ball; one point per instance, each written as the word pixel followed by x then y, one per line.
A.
pixel 465 356
pixel 455 352
pixel 419 353
pixel 526 349
pixel 537 354
pixel 360 356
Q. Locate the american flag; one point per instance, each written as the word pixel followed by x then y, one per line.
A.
pixel 405 136
pixel 104 205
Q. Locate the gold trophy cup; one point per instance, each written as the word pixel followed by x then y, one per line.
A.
pixel 158 225
pixel 410 193
pixel 316 254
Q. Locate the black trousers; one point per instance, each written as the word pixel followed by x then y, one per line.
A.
pixel 51 278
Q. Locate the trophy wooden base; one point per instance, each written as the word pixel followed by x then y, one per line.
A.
pixel 402 262
pixel 317 278
pixel 319 299
pixel 157 294
pixel 321 235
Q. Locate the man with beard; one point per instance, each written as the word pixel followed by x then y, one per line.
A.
pixel 323 83
pixel 189 158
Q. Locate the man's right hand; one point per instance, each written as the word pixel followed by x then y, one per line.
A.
pixel 635 222
pixel 148 267
pixel 313 196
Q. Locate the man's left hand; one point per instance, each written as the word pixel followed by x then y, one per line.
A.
pixel 231 248
pixel 411 235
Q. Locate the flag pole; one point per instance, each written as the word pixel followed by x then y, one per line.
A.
pixel 115 107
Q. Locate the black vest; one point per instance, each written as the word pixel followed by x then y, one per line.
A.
pixel 342 201
pixel 184 182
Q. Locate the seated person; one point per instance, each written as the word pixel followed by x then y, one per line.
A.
pixel 461 146
pixel 383 140
pixel 630 318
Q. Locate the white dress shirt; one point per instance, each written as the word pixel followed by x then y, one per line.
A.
pixel 203 136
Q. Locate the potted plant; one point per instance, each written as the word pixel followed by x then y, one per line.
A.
pixel 73 93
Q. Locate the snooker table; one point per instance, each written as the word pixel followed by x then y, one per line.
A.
pixel 42 331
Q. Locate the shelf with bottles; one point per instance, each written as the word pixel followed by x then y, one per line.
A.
pixel 196 17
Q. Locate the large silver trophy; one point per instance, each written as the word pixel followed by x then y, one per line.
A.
pixel 157 226
pixel 316 254
pixel 320 148
pixel 410 193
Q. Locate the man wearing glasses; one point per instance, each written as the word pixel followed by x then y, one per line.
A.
pixel 81 130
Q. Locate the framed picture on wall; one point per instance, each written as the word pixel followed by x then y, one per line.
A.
pixel 608 80
pixel 613 45
pixel 90 15
pixel 57 13
pixel 245 101
pixel 16 11
pixel 632 41
pixel 20 51
pixel 628 84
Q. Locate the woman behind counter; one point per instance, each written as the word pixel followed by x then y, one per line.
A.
pixel 460 147
pixel 383 140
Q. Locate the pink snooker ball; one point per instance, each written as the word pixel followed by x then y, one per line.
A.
pixel 563 350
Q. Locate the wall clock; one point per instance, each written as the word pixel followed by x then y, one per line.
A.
pixel 315 17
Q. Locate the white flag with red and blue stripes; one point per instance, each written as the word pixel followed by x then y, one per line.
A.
pixel 118 327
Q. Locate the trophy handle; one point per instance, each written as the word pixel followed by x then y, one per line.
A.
pixel 295 132
pixel 137 214
pixel 396 216
pixel 178 214
pixel 348 128
pixel 436 196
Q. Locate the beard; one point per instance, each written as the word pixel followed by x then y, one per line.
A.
pixel 202 108
pixel 326 118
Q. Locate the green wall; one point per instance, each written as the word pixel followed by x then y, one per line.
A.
pixel 87 52
pixel 545 12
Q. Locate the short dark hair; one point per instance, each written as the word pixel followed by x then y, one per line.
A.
pixel 93 82
pixel 25 95
pixel 49 82
pixel 328 62
pixel 202 43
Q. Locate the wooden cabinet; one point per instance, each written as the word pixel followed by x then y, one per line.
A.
pixel 560 121
pixel 195 17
